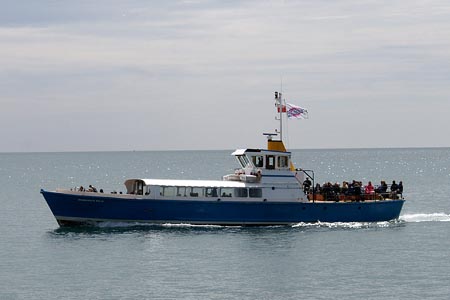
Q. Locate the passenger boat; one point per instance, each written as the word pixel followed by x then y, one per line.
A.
pixel 265 190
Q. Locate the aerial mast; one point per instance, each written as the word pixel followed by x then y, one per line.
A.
pixel 281 108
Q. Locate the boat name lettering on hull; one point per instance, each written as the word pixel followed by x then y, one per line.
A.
pixel 91 200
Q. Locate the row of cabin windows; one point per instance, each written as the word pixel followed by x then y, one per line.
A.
pixel 184 191
pixel 272 161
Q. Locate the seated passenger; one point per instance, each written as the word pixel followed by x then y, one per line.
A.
pixel 324 188
pixel 344 189
pixel 382 188
pixel 357 187
pixel 337 188
pixel 92 189
pixel 328 191
pixel 352 188
pixel 394 187
pixel 258 175
pixel 369 189
pixel 317 189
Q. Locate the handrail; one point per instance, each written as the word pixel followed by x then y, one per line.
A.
pixel 330 195
pixel 310 177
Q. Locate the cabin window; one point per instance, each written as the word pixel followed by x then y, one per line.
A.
pixel 241 192
pixel 147 192
pixel 195 192
pixel 258 161
pixel 211 192
pixel 270 162
pixel 226 192
pixel 181 191
pixel 168 191
pixel 282 161
pixel 255 192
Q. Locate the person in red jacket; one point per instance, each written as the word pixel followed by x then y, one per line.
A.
pixel 369 189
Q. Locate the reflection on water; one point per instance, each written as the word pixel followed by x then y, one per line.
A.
pixel 107 228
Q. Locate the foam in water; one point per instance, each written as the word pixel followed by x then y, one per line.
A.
pixel 344 224
pixel 118 224
pixel 187 225
pixel 408 218
pixel 434 217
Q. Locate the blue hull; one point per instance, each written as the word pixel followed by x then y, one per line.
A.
pixel 88 209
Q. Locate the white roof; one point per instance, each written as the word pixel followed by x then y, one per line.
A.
pixel 239 152
pixel 190 183
pixel 243 151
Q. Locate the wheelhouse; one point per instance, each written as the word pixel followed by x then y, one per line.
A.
pixel 263 159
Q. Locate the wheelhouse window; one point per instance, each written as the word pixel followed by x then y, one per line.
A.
pixel 243 160
pixel 270 162
pixel 282 162
pixel 255 192
pixel 258 161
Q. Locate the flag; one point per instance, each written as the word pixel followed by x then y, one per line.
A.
pixel 294 111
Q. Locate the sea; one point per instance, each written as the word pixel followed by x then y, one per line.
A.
pixel 408 258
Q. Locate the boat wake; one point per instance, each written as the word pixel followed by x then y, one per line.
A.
pixel 352 225
pixel 113 224
pixel 187 225
pixel 407 218
pixel 417 218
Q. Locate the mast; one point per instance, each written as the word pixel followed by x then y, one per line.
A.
pixel 281 108
pixel 275 145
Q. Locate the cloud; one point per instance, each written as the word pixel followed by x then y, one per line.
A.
pixel 215 64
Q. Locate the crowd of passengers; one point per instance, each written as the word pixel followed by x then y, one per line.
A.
pixel 354 190
pixel 91 188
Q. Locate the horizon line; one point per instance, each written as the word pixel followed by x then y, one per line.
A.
pixel 231 149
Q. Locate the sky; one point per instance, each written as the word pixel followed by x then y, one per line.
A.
pixel 111 75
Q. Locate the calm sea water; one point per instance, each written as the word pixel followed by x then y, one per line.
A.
pixel 407 259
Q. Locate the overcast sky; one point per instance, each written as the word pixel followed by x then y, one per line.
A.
pixel 156 75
